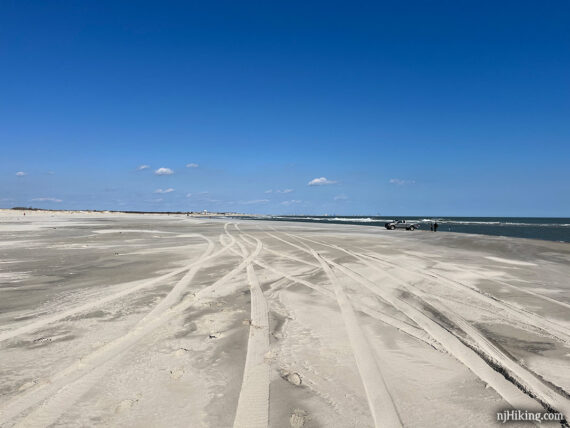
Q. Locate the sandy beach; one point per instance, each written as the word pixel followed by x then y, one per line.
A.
pixel 175 321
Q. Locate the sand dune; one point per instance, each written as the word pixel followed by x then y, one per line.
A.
pixel 144 320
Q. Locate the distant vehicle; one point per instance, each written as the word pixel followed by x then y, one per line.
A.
pixel 402 224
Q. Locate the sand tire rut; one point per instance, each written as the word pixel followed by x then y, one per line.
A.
pixel 253 404
pixel 510 392
pixel 100 300
pixel 68 386
pixel 381 405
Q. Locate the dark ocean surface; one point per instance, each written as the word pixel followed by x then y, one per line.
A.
pixel 550 229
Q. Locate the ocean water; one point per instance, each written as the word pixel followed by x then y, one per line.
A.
pixel 550 229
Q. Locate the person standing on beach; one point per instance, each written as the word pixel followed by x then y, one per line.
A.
pixel 435 226
pixel 431 227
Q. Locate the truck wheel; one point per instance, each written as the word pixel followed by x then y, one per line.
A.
pixel 392 227
pixel 412 228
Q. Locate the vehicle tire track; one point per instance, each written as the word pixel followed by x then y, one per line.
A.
pixel 403 326
pixel 522 377
pixel 66 387
pixel 550 328
pixel 506 284
pixel 511 393
pixel 36 325
pixel 253 404
pixel 379 399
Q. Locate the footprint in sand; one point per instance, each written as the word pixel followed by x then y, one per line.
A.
pixel 298 418
pixel 181 351
pixel 292 377
pixel 125 405
pixel 176 373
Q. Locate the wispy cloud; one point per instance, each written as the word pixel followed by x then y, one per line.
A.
pixel 141 167
pixel 320 181
pixel 192 165
pixel 199 195
pixel 164 190
pixel 254 201
pixel 164 171
pixel 291 202
pixel 47 200
pixel 341 197
pixel 279 191
pixel 21 173
pixel 401 182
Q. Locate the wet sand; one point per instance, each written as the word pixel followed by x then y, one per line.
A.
pixel 157 320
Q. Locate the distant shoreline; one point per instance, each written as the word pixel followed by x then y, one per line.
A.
pixel 190 213
pixel 556 229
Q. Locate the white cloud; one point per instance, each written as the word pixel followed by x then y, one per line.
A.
pixel 199 195
pixel 291 202
pixel 141 167
pixel 400 182
pixel 164 171
pixel 192 165
pixel 255 201
pixel 47 200
pixel 164 190
pixel 21 173
pixel 268 191
pixel 285 191
pixel 341 197
pixel 320 181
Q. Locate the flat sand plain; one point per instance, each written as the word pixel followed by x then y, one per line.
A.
pixel 170 321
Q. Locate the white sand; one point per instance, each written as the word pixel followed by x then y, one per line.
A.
pixel 156 320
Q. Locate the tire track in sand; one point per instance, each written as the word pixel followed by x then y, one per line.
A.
pixel 518 375
pixel 524 378
pixel 139 285
pixel 489 278
pixel 549 327
pixel 253 404
pixel 523 316
pixel 65 388
pixel 510 392
pixel 380 401
pixel 403 326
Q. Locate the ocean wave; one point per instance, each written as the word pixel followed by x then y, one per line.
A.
pixel 359 220
pixel 447 221
pixel 501 223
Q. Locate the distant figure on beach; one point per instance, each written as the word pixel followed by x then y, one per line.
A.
pixel 435 226
pixel 431 227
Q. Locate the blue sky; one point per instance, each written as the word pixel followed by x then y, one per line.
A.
pixel 425 108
